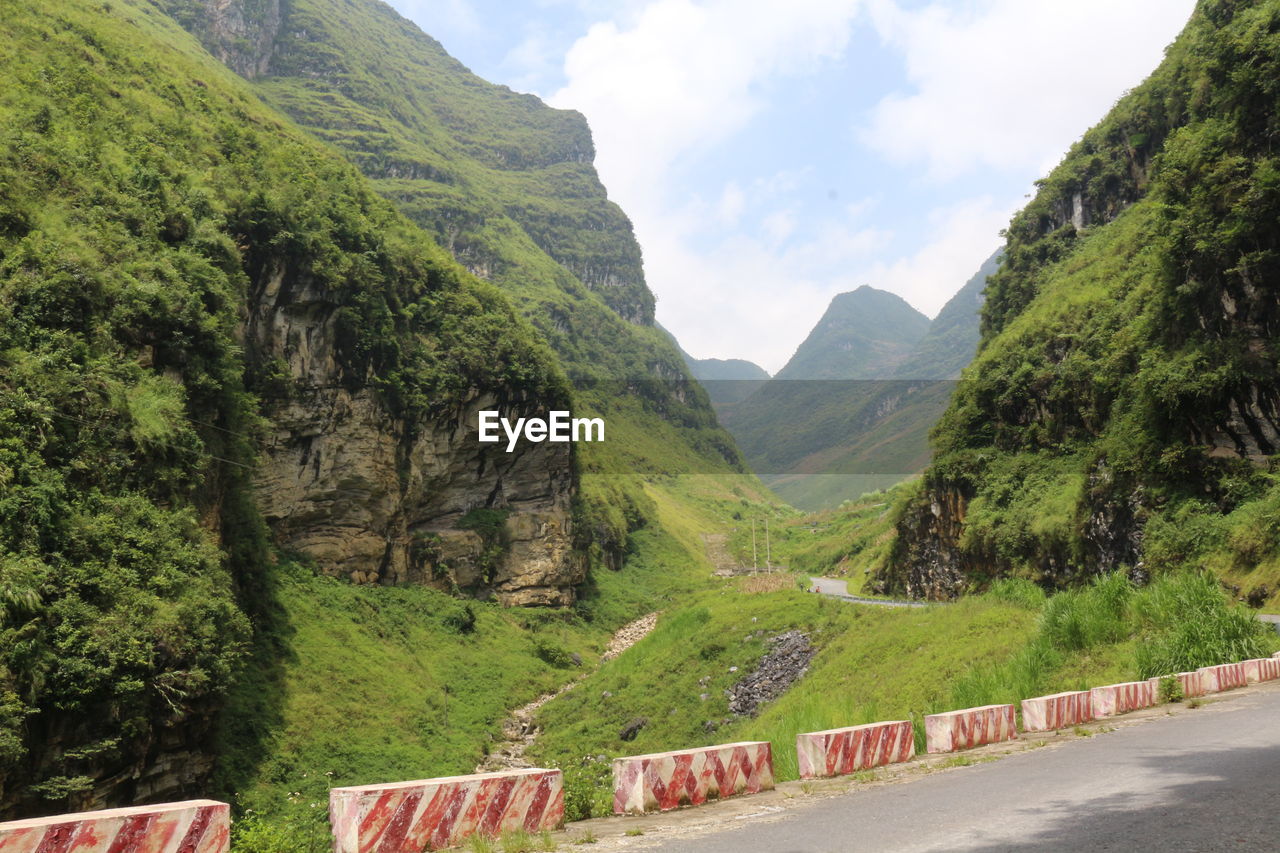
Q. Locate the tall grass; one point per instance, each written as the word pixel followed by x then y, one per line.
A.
pixel 1181 621
pixel 1188 623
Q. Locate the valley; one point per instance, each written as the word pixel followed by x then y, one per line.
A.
pixel 294 310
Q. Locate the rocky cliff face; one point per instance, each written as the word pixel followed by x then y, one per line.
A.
pixel 373 497
pixel 240 33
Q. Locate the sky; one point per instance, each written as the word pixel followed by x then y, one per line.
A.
pixel 774 153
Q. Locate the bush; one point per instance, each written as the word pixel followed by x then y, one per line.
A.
pixel 551 653
pixel 1188 622
pixel 588 789
pixel 1170 689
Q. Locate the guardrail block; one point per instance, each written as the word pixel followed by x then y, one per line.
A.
pixel 666 780
pixel 953 730
pixel 1261 669
pixel 1227 676
pixel 835 752
pixel 409 817
pixel 194 826
pixel 1047 713
pixel 1192 684
pixel 1121 698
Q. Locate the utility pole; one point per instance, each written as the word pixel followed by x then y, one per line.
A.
pixel 768 558
pixel 754 562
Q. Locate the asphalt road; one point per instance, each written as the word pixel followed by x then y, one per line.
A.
pixel 1204 780
pixel 837 588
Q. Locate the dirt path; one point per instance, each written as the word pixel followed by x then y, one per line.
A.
pixel 718 553
pixel 519 730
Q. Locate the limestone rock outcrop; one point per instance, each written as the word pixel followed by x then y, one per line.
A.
pixel 366 494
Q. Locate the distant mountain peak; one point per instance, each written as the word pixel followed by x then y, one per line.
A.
pixel 864 334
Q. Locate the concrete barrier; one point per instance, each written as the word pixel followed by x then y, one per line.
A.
pixel 194 826
pixel 667 780
pixel 835 752
pixel 1046 713
pixel 1261 669
pixel 429 814
pixel 1122 698
pixel 1227 676
pixel 955 730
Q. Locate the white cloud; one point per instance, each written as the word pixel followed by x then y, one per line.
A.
pixel 1011 84
pixel 680 76
pixel 733 201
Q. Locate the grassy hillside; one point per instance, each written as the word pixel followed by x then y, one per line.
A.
pixel 1125 407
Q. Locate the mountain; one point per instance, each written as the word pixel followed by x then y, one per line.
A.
pixel 1124 409
pixel 261 266
pixel 726 380
pixel 864 334
pixel 861 422
pixel 727 369
pixel 507 186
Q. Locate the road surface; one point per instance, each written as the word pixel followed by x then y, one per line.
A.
pixel 1204 780
pixel 837 588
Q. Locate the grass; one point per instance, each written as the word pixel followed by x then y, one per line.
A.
pixel 873 664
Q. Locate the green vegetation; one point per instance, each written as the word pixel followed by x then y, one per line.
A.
pixel 873 664
pixel 1123 408
pixel 879 664
pixel 145 195
pixel 145 192
pixel 1111 628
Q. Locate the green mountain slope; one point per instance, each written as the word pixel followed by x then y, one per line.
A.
pixel 1124 410
pixel 149 202
pixel 952 339
pixel 229 367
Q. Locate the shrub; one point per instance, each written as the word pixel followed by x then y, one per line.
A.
pixel 588 789
pixel 1170 689
pixel 551 653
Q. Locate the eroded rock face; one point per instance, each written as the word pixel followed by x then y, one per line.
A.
pixel 368 496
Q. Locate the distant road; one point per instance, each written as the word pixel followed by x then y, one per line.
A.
pixel 1202 780
pixel 838 588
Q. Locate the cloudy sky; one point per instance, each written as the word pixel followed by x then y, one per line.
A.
pixel 774 153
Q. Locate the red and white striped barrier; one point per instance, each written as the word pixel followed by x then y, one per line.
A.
pixel 429 814
pixel 1227 676
pixel 1122 698
pixel 1261 669
pixel 1046 713
pixel 194 826
pixel 667 780
pixel 835 752
pixel 955 730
